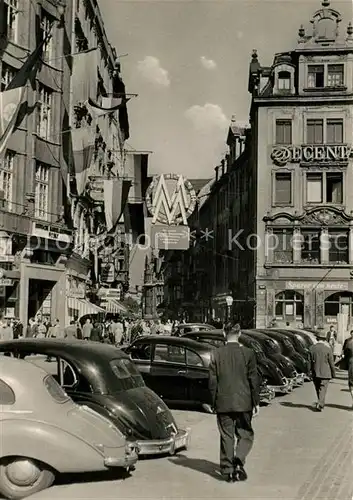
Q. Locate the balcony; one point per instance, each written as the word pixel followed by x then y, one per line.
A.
pixel 11 220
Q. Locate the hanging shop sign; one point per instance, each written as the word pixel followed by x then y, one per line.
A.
pixel 46 232
pixel 281 155
pixel 170 199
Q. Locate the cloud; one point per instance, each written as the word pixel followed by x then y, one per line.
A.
pixel 207 118
pixel 151 69
pixel 208 63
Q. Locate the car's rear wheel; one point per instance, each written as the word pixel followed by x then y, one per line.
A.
pixel 22 476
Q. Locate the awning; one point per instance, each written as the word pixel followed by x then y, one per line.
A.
pixel 113 306
pixel 89 308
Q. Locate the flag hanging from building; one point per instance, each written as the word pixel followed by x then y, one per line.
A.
pixel 134 220
pixel 116 192
pixel 84 76
pixel 10 102
pixel 11 98
pixel 107 106
pixel 83 140
pixel 135 168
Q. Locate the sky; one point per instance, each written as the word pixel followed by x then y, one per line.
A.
pixel 188 61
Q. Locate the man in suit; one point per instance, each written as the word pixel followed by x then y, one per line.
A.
pixel 235 392
pixel 323 368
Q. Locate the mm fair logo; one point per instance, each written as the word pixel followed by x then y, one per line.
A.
pixel 170 199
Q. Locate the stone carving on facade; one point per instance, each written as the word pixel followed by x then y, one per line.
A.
pixel 326 216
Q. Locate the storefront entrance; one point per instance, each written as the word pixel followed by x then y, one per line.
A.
pixel 339 303
pixel 289 307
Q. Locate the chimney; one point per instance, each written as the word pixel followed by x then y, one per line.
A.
pixel 217 174
pixel 223 166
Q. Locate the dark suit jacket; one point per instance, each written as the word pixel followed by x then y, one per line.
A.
pixel 322 362
pixel 233 379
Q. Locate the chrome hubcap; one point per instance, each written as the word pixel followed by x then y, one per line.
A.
pixel 23 472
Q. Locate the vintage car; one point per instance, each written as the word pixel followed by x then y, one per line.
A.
pixel 177 369
pixel 44 433
pixel 302 340
pixel 273 351
pixel 103 378
pixel 286 344
pixel 271 375
pixel 190 327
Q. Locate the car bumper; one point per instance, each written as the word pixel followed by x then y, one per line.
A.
pixel 285 388
pixel 267 395
pixel 125 462
pixel 299 379
pixel 162 446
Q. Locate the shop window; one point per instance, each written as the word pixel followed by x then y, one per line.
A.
pixel 310 246
pixel 46 28
pixel 332 308
pixel 283 246
pixel 335 75
pixel 338 248
pixel 334 187
pixel 334 131
pixel 314 188
pixel 283 188
pixel 6 180
pixel 284 80
pixel 315 131
pixel 284 132
pixel 316 76
pixel 289 305
pixel 339 302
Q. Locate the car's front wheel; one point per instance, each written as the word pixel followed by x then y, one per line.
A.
pixel 22 476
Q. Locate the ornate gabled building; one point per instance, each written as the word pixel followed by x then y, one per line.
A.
pixel 302 129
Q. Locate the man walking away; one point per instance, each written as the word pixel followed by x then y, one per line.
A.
pixel 87 329
pixel 70 331
pixel 323 368
pixel 348 361
pixel 235 393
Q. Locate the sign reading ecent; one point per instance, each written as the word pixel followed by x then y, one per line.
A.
pixel 170 199
pixel 281 155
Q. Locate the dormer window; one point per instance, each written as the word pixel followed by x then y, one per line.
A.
pixel 329 75
pixel 284 80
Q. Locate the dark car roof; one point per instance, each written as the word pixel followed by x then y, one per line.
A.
pixel 178 341
pixel 81 353
pixel 259 335
pixel 205 333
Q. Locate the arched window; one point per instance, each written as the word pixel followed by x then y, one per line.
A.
pixel 289 305
pixel 284 80
pixel 339 302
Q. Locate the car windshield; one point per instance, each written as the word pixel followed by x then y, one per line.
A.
pixel 127 374
pixel 55 390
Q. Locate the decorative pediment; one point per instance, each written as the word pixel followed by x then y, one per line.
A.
pixel 279 219
pixel 325 217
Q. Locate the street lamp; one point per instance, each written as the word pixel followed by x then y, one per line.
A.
pixel 229 302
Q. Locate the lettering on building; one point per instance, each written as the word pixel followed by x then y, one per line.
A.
pixel 281 155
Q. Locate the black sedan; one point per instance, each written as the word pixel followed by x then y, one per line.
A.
pixel 271 375
pixel 273 351
pixel 104 379
pixel 286 344
pixel 177 368
pixel 183 328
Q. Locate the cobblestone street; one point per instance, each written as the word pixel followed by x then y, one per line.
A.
pixel 298 455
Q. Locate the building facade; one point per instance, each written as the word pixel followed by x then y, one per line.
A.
pixel 302 117
pixel 275 230
pixel 56 253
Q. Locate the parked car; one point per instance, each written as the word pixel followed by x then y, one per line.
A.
pixel 301 363
pixel 178 369
pixel 103 378
pixel 44 433
pixel 190 327
pixel 273 351
pixel 271 375
pixel 301 340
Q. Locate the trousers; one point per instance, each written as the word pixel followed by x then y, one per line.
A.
pixel 321 385
pixel 231 426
